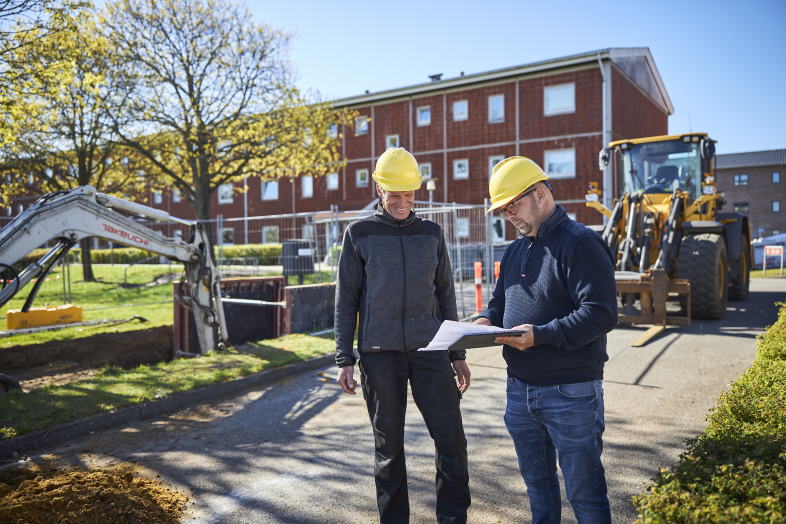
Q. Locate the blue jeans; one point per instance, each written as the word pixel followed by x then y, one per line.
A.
pixel 565 423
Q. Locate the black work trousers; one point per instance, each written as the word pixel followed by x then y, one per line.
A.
pixel 384 378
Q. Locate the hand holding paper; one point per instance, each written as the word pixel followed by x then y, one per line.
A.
pixel 461 335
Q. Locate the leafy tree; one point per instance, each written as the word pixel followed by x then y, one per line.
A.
pixel 214 100
pixel 69 140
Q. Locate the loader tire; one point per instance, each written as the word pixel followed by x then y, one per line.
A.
pixel 702 260
pixel 741 278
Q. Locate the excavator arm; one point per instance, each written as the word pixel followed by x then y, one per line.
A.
pixel 66 217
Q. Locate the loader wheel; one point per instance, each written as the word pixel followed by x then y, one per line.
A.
pixel 7 384
pixel 741 279
pixel 702 260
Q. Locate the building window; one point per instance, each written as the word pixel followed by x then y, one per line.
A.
pixel 158 197
pixel 307 232
pixel 19 209
pixel 460 110
pixel 332 131
pixel 462 227
pixel 225 194
pixel 424 116
pixel 140 175
pixel 494 160
pixel 498 229
pixel 331 181
pixel 391 141
pixel 425 170
pixel 9 211
pixel 361 125
pixel 776 206
pixel 560 163
pixel 270 234
pixel 741 207
pixel 177 195
pixel 776 231
pixel 306 186
pixel 227 236
pixel 496 108
pixel 461 169
pixel 361 178
pixel 776 177
pixel 270 190
pixel 741 180
pixel 559 99
pixel 31 179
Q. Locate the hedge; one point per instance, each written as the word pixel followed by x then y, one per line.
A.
pixel 736 470
pixel 266 254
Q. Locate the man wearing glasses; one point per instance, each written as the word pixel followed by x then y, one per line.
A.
pixel 557 284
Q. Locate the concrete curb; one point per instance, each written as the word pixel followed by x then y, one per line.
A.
pixel 61 433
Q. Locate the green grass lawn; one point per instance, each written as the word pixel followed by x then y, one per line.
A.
pixel 119 293
pixel 114 387
pixel 771 273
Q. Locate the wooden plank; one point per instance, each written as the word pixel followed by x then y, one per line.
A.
pixel 648 335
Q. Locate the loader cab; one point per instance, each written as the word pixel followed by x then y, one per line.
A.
pixel 663 164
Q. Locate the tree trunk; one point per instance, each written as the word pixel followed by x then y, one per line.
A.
pixel 202 196
pixel 87 262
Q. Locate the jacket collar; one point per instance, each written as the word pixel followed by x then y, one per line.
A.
pixel 556 218
pixel 388 219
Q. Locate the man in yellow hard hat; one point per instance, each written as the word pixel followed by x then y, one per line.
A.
pixel 557 284
pixel 395 273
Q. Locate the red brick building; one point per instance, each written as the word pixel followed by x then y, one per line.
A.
pixel 559 112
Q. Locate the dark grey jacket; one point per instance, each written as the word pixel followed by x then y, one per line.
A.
pixel 396 274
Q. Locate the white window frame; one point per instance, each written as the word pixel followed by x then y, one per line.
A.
pixel 224 231
pixel 264 234
pixel 274 192
pixel 775 207
pixel 739 181
pixel 391 141
pixel 462 174
pixel 569 90
pixel 9 211
pixel 361 178
pixel 492 118
pixel 494 160
pixel 223 198
pixel 177 195
pixel 332 131
pixel 306 186
pixel 361 125
pixel 19 209
pixel 420 119
pixel 775 177
pixel 547 163
pixel 457 116
pixel 158 197
pixel 331 181
pixel 425 170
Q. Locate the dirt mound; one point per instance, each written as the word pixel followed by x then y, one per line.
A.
pixel 111 494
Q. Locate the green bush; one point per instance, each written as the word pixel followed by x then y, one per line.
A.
pixel 265 254
pixel 122 255
pixel 736 470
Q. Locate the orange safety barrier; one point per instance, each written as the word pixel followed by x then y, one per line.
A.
pixel 478 286
pixel 496 270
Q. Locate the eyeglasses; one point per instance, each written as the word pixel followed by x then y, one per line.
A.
pixel 512 207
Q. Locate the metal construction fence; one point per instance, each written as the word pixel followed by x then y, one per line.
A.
pixel 311 244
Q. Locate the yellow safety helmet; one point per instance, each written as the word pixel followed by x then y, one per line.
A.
pixel 510 178
pixel 397 170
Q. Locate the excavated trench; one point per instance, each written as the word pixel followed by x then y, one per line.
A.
pixel 64 361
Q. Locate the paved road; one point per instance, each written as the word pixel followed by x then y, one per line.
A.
pixel 300 452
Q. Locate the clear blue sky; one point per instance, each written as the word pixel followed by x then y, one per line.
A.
pixel 723 62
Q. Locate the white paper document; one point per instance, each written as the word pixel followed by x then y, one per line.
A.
pixel 463 335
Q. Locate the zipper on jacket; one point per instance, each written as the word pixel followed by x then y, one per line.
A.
pixel 526 258
pixel 404 295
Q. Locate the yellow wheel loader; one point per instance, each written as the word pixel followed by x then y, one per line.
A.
pixel 677 255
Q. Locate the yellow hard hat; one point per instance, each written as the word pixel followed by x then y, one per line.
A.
pixel 397 170
pixel 510 178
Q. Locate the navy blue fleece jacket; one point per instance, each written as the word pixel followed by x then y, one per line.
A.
pixel 561 282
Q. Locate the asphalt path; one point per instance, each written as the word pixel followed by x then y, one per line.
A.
pixel 300 451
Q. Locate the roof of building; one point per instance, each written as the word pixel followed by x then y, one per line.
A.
pixel 636 62
pixel 770 157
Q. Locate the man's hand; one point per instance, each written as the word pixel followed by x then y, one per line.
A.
pixel 483 321
pixel 346 379
pixel 524 341
pixel 462 375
